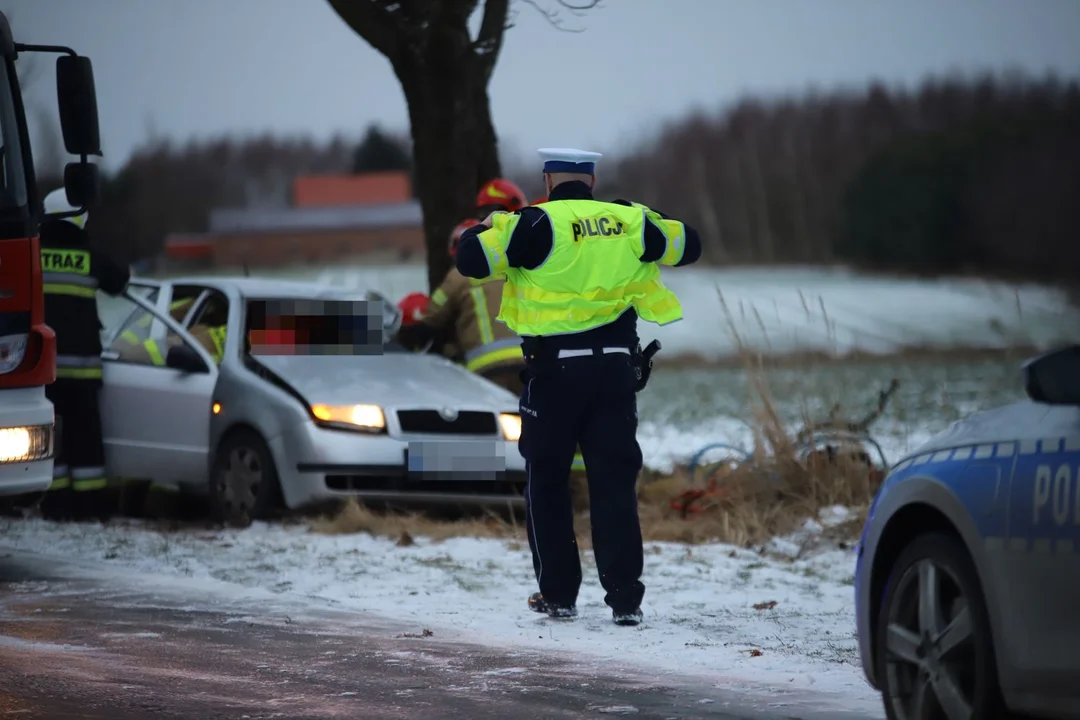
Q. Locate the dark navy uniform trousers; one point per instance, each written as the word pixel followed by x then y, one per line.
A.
pixel 588 401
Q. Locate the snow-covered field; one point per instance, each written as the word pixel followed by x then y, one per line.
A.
pixel 782 310
pixel 759 619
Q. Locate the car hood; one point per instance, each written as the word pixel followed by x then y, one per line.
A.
pixel 1019 422
pixel 397 380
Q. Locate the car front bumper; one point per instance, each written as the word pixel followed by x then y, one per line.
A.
pixel 26 441
pixel 317 464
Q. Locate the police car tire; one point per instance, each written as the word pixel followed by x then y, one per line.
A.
pixel 947 551
pixel 268 500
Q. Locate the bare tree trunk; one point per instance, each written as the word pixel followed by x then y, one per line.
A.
pixel 455 151
pixel 767 244
pixel 799 225
pixel 746 243
pixel 444 74
pixel 710 219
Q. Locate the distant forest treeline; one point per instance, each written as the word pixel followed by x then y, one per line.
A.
pixel 976 176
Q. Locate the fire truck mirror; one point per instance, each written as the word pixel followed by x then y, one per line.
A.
pixel 78 105
pixel 81 181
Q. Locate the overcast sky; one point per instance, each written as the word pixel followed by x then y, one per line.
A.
pixel 183 68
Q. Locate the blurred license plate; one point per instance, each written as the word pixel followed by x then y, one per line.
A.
pixel 454 458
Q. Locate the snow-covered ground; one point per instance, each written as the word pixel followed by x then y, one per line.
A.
pixel 763 620
pixel 783 310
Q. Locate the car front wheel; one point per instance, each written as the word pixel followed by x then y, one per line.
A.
pixel 243 482
pixel 935 655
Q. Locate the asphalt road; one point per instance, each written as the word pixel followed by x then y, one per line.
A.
pixel 77 643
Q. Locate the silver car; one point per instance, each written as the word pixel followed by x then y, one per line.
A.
pixel 308 402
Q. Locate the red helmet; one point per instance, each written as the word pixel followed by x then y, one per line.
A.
pixel 540 200
pixel 455 235
pixel 412 306
pixel 503 193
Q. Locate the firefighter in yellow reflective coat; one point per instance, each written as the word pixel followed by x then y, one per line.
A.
pixel 132 347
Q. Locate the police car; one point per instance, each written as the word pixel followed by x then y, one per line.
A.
pixel 968 574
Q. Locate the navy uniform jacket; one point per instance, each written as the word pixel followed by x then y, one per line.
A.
pixel 531 244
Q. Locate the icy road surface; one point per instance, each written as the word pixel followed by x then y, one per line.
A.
pixel 757 623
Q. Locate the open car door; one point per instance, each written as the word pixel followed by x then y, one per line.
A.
pixel 116 311
pixel 156 398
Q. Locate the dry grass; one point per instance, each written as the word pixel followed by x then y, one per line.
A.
pixel 353 518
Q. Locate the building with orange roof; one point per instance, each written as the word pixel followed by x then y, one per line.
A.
pixel 333 218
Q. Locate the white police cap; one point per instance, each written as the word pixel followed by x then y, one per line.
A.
pixel 57 202
pixel 568 160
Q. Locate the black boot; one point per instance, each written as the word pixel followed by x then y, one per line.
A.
pixel 538 604
pixel 628 619
pixel 58 505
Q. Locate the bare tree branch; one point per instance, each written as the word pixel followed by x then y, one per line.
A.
pixel 551 13
pixel 489 40
pixel 379 22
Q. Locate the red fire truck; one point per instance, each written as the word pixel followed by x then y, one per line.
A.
pixel 27 344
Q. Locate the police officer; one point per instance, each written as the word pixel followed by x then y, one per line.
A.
pixel 463 311
pixel 72 273
pixel 579 273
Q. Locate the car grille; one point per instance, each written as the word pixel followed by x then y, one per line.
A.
pixel 469 422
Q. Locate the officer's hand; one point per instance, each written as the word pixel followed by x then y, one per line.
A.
pixel 488 220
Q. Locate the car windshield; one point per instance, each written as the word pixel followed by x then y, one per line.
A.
pixel 321 327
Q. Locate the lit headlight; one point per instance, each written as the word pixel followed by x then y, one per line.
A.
pixel 25 444
pixel 359 417
pixel 12 352
pixel 511 426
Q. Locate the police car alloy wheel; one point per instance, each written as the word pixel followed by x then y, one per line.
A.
pixel 934 653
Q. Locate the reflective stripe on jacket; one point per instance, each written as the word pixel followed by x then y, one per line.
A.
pixel 78 367
pixel 592 276
pixel 468 308
pixel 66 271
pixel 131 348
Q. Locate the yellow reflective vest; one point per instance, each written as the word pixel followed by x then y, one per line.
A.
pixel 594 272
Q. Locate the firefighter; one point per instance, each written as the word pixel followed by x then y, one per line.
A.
pixel 212 338
pixel 579 273
pixel 465 310
pixel 499 194
pixel 412 307
pixel 72 273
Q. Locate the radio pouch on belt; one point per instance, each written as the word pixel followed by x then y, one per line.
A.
pixel 643 359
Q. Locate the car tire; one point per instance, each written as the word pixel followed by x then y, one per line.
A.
pixel 944 650
pixel 244 484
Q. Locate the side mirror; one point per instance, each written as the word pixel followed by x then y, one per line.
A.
pixel 77 99
pixel 82 181
pixel 183 358
pixel 1054 378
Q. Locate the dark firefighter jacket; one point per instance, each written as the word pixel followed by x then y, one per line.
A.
pixel 72 273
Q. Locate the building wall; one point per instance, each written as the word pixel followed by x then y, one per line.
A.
pixel 279 249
